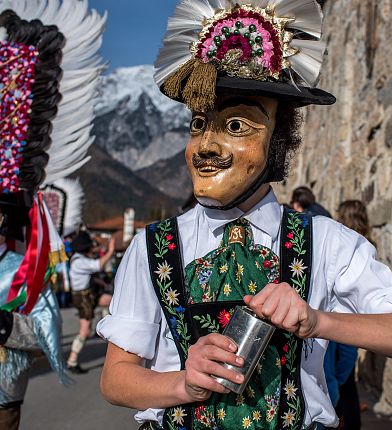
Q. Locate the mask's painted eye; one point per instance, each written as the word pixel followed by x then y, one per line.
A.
pixel 198 124
pixel 238 127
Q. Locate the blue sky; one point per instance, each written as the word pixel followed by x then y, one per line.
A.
pixel 134 29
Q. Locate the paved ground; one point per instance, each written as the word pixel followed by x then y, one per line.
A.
pixel 50 406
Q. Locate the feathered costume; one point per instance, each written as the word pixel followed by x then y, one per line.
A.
pixel 49 66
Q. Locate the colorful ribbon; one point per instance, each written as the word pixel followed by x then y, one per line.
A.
pixel 33 268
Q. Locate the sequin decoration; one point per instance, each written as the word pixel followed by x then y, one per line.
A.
pixel 17 75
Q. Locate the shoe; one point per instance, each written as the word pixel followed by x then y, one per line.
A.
pixel 77 370
pixel 381 412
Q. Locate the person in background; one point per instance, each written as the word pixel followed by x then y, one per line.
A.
pixel 23 337
pixel 303 200
pixel 373 369
pixel 341 359
pixel 84 296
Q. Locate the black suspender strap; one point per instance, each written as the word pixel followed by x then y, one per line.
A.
pixel 295 263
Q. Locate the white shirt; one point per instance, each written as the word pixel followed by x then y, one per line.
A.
pixel 81 270
pixel 345 278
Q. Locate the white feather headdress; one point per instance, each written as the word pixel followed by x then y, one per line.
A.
pixel 264 40
pixel 82 66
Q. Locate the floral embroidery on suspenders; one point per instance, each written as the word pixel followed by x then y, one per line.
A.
pixel 296 259
pixel 167 280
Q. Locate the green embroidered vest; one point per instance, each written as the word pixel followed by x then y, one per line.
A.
pixel 200 300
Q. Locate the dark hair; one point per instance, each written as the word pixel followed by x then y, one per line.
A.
pixel 353 214
pixel 285 140
pixel 304 196
pixel 12 220
pixel 82 243
pixel 46 96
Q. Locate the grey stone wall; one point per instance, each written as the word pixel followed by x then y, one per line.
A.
pixel 347 152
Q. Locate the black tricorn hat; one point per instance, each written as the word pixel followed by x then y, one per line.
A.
pixel 82 242
pixel 249 47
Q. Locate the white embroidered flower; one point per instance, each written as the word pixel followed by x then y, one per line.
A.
pixel 246 422
pixel 256 416
pixel 171 297
pixel 226 289
pixel 178 415
pixel 290 390
pixel 252 287
pixel 259 367
pixel 297 267
pixel 164 271
pixel 221 414
pixel 288 418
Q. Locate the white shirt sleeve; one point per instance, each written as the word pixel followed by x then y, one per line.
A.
pixel 362 284
pixel 135 312
pixel 85 266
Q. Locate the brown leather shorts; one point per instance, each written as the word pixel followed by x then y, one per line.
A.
pixel 85 302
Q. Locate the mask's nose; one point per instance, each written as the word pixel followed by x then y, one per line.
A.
pixel 209 145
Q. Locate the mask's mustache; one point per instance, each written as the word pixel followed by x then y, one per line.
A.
pixel 218 162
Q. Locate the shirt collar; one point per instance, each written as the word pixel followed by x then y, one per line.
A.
pixel 265 215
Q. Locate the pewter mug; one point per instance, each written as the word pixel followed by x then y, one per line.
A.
pixel 251 335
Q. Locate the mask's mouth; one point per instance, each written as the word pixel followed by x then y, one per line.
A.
pixel 211 165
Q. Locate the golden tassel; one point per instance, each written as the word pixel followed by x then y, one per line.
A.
pixel 199 92
pixel 3 355
pixel 173 85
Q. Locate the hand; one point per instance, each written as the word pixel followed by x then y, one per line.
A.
pixel 204 358
pixel 112 244
pixel 282 305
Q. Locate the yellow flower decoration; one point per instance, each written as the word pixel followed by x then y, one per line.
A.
pixel 246 422
pixel 226 289
pixel 252 287
pixel 240 399
pixel 221 414
pixel 256 416
pixel 250 392
pixel 240 272
pixel 224 268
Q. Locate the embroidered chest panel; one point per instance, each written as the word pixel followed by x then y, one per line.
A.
pixel 200 300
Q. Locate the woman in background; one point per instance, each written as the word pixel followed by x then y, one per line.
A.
pixel 340 360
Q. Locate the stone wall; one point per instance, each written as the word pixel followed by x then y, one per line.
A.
pixel 347 152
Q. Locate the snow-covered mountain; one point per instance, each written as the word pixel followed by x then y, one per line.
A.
pixel 136 124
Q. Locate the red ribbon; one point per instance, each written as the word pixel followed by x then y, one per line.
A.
pixel 33 268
